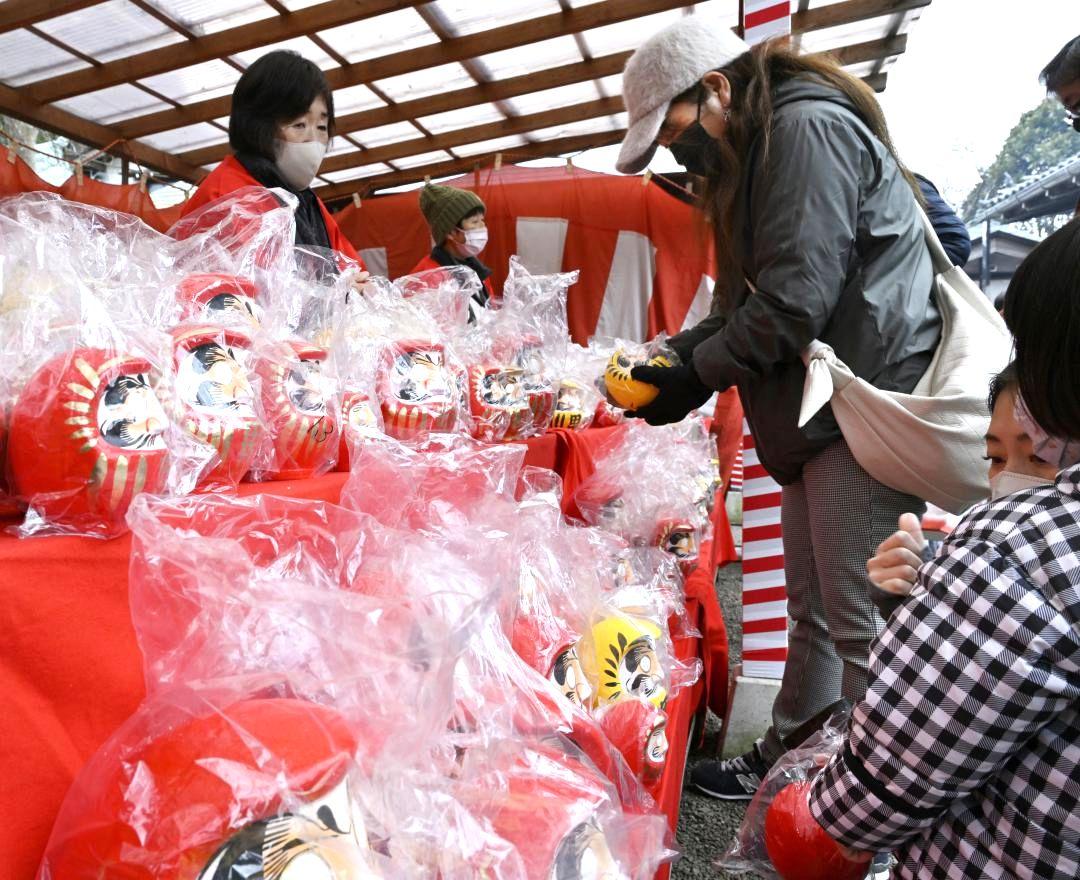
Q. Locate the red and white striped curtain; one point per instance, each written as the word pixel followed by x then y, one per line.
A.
pixel 645 256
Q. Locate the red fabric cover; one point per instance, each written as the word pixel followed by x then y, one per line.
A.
pixel 72 671
pixel 230 175
pixel 727 426
pixel 17 177
pixel 429 263
pixel 597 207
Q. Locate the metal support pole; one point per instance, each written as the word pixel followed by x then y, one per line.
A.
pixel 984 264
pixel 125 170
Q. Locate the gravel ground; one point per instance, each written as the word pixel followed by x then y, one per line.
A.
pixel 707 826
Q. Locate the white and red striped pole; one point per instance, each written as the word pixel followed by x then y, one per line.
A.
pixel 764 597
pixel 762 19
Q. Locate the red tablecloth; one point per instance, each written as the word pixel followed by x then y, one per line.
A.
pixel 71 668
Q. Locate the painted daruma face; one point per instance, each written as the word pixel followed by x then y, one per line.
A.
pixel 321 840
pixel 568 676
pixel 215 398
pixel 625 391
pixel 638 729
pixel 627 662
pixel 295 398
pixel 497 402
pixel 417 390
pixel 569 407
pixel 584 855
pixel 219 297
pixel 679 538
pixel 86 438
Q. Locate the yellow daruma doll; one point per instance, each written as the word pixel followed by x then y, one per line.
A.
pixel 626 392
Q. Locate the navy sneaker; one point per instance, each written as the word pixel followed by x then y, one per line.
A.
pixel 733 779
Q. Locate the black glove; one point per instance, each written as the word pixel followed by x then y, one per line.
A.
pixel 681 391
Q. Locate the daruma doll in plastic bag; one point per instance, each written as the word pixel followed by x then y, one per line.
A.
pixel 85 438
pixel 418 390
pixel 257 788
pixel 498 402
pixel 218 297
pixel 574 406
pixel 301 418
pixel 625 660
pixel 799 848
pixel 548 805
pixel 214 398
pixel 622 388
pixel 638 729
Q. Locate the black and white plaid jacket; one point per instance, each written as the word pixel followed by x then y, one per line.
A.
pixel 964 757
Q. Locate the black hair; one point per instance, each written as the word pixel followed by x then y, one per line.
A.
pixel 999 301
pixel 277 88
pixel 1002 382
pixel 1064 68
pixel 1042 310
pixel 475 212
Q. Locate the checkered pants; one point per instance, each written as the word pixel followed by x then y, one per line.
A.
pixel 833 520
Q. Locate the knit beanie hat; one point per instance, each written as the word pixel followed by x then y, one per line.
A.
pixel 665 66
pixel 444 207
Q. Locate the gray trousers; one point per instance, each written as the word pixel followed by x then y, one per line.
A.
pixel 833 520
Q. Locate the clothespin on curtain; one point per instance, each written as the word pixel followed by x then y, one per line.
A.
pixel 11 154
pixel 569 164
pixel 78 174
pixel 356 200
pixel 498 161
pixel 144 180
pixel 646 177
pixel 427 179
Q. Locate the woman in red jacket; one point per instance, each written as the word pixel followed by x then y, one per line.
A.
pixel 281 123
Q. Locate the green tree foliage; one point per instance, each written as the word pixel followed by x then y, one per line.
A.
pixel 1040 140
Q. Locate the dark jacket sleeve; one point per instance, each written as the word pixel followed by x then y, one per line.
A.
pixel 804 210
pixel 950 229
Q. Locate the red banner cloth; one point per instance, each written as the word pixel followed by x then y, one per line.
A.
pixel 17 177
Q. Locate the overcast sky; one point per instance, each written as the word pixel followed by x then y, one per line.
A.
pixel 970 70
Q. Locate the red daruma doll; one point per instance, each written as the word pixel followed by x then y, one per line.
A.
pixel 798 846
pixel 418 391
pixel 638 729
pixel 300 414
pixel 258 789
pixel 217 296
pixel 546 804
pixel 214 398
pixel 85 439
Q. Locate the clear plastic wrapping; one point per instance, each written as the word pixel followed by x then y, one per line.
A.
pixel 654 487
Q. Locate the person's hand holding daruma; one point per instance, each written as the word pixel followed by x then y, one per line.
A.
pixel 898 558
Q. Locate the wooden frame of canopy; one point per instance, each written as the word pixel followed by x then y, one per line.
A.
pixel 871 34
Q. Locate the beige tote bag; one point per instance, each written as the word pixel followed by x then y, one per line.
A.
pixel 929 443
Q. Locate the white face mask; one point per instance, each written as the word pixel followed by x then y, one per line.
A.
pixel 1010 482
pixel 475 241
pixel 298 163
